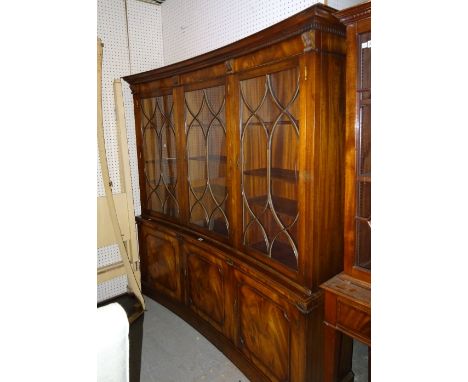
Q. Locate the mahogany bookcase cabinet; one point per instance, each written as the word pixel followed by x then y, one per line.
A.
pixel 240 157
pixel 348 295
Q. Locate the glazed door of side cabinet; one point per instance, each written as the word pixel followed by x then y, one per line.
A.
pixel 158 150
pixel 160 262
pixel 363 153
pixel 206 283
pixel 205 129
pixel 269 147
pixel 265 328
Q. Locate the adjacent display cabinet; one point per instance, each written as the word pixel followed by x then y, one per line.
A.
pixel 348 295
pixel 240 155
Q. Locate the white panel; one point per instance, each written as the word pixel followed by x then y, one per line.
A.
pixel 145 34
pixel 108 255
pixel 342 4
pixel 144 38
pixel 132 151
pixel 193 27
pixel 100 184
pixel 111 28
pixel 146 53
pixel 112 288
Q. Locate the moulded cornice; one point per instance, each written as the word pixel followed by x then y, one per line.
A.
pixel 318 17
pixel 353 14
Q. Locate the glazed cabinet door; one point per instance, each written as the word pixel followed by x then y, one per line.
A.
pixel 358 152
pixel 206 285
pixel 158 167
pixel 267 329
pixel 160 262
pixel 205 129
pixel 269 159
pixel 363 154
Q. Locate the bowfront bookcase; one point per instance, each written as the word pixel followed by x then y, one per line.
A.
pixel 240 156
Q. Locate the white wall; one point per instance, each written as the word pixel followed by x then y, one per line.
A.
pixel 193 27
pixel 129 47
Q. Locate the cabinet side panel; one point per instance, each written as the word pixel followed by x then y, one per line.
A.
pixel 329 186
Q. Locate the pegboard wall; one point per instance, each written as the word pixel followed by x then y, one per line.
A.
pixel 193 27
pixel 131 32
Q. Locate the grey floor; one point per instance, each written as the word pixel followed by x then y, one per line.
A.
pixel 175 352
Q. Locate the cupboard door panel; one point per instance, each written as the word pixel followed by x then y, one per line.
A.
pixel 264 329
pixel 160 262
pixel 206 286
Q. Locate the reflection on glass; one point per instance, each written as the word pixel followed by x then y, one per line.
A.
pixel 159 152
pixel 205 127
pixel 269 146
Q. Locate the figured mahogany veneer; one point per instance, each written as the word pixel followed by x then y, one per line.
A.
pixel 240 157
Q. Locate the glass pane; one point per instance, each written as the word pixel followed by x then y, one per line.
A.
pixel 205 127
pixel 269 142
pixel 363 146
pixel 365 60
pixel 159 152
pixel 364 143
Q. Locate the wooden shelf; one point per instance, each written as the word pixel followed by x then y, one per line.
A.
pixel 216 188
pixel 271 123
pixel 281 252
pixel 219 226
pixel 365 102
pixel 364 178
pixel 282 205
pixel 350 287
pixel 219 158
pixel 171 183
pixel 158 161
pixel 276 172
pixel 205 125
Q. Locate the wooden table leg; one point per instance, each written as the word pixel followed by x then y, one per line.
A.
pixel 331 354
pixel 338 351
pixel 368 363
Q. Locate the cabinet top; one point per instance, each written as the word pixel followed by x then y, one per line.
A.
pixel 353 14
pixel 317 17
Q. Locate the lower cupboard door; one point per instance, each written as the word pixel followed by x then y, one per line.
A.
pixel 206 286
pixel 264 328
pixel 160 269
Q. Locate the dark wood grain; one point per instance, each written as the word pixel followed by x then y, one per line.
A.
pixel 206 286
pixel 264 333
pixel 160 261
